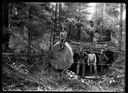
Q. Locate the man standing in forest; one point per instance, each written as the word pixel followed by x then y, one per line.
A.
pixel 63 36
pixel 70 23
pixel 92 30
pixel 91 60
pixel 79 25
pixel 102 58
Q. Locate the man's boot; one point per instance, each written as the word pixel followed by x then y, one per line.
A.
pixel 61 46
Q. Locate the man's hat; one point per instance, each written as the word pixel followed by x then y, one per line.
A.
pixel 91 50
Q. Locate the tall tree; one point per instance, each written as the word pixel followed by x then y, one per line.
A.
pixel 120 31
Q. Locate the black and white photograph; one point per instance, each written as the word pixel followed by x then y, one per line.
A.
pixel 63 46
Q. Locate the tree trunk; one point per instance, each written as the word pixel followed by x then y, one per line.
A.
pixel 120 31
pixel 103 12
pixel 5 14
pixel 55 22
pixel 29 35
pixel 60 11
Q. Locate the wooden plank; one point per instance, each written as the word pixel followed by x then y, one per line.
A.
pixel 91 77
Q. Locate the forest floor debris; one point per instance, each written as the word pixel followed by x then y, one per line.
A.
pixel 112 81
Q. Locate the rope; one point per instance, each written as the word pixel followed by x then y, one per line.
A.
pixel 86 63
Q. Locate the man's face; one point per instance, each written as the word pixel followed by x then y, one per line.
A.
pixel 91 24
pixel 102 52
pixel 69 16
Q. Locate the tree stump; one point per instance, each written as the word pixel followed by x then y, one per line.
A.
pixel 61 59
